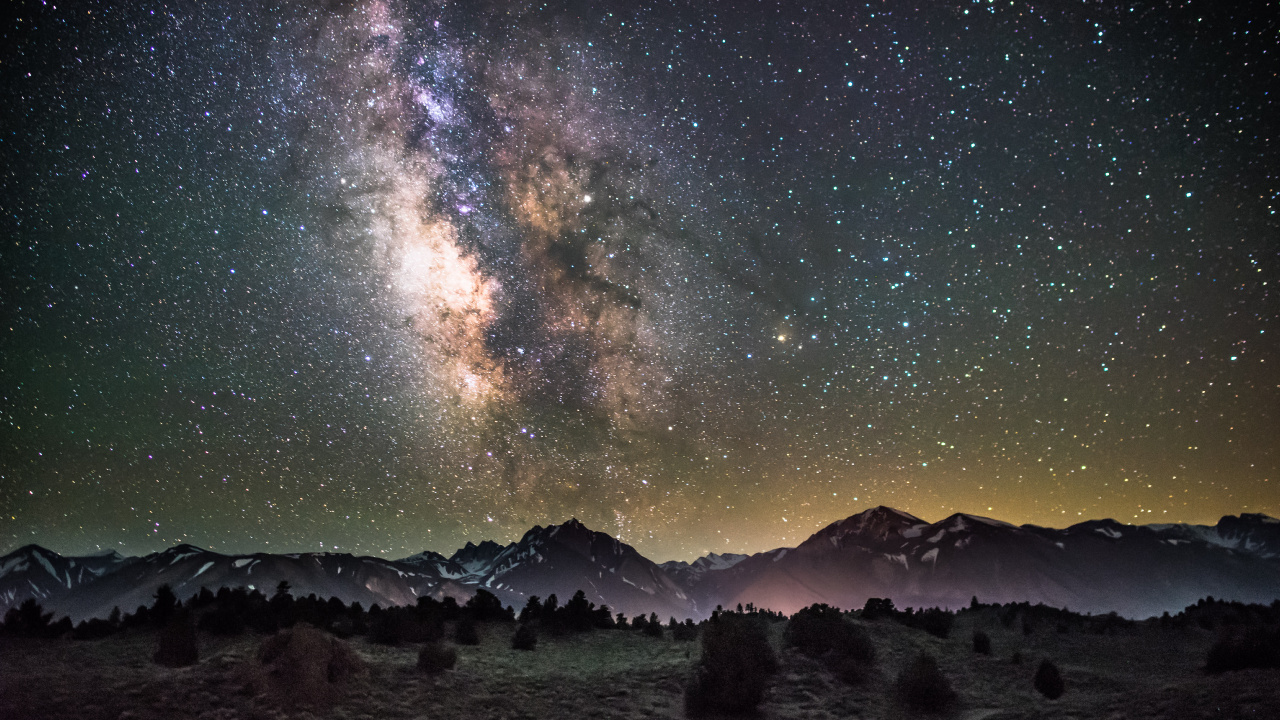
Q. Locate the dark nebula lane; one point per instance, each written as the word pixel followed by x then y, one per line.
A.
pixel 389 276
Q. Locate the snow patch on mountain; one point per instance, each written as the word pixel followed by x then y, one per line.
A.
pixel 45 562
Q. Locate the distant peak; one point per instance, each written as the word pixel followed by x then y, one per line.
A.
pixel 887 513
pixel 32 549
pixel 879 522
pixel 183 548
pixel 109 552
pixel 1251 518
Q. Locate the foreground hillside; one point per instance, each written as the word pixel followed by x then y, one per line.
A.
pixel 1144 670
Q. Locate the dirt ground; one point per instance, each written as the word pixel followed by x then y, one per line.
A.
pixel 1145 672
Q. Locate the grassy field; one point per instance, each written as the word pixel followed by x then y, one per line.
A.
pixel 1142 672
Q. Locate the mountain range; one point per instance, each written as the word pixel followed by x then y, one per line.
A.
pixel 1097 566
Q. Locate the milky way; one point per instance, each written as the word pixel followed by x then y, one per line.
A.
pixel 388 276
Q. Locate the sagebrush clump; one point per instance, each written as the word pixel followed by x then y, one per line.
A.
pixel 526 638
pixel 1049 681
pixel 737 662
pixel 981 643
pixel 922 687
pixel 465 633
pixel 306 666
pixel 822 632
pixel 436 657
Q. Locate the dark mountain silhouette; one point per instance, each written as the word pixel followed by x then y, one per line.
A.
pixel 34 572
pixel 562 559
pixel 1097 566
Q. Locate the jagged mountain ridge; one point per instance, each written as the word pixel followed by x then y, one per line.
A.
pixel 1095 566
pixel 32 571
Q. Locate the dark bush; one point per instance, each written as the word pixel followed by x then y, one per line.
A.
pixel 526 638
pixel 436 657
pixel 852 659
pixel 1016 658
pixel 876 608
pixel 1049 681
pixel 981 643
pixel 1240 649
pixel 178 642
pixel 465 633
pixel 935 621
pixel 921 686
pixel 810 629
pixel 93 629
pixel 484 606
pixel 821 631
pixel 736 664
pixel 304 666
pixel 685 631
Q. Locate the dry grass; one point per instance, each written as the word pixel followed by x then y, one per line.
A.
pixel 1144 673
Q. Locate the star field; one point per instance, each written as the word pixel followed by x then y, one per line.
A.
pixel 389 276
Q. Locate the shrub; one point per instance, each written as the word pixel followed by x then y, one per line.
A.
pixel 810 629
pixel 178 643
pixel 852 659
pixel 484 606
pixel 981 643
pixel 435 657
pixel 465 632
pixel 93 629
pixel 736 663
pixel 305 666
pixel 877 608
pixel 935 621
pixel 685 631
pixel 921 686
pixel 1257 648
pixel 526 638
pixel 821 631
pixel 1049 681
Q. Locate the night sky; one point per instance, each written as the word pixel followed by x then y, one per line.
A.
pixel 384 276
